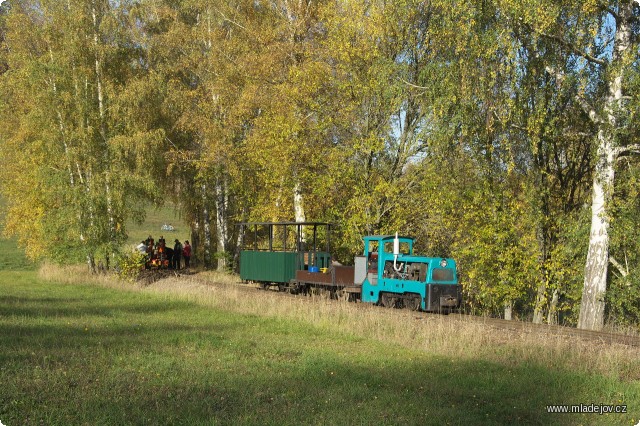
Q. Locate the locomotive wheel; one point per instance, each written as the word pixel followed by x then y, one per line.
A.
pixel 387 301
pixel 412 303
pixel 444 310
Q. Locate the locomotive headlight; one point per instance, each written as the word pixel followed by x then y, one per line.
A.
pixel 443 263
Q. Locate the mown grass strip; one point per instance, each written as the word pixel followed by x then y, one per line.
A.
pixel 80 354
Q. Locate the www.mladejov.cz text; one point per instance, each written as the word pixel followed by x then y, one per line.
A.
pixel 588 409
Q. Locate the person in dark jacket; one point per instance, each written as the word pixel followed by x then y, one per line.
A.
pixel 177 252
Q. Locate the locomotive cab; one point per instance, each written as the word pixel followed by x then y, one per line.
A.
pixel 400 278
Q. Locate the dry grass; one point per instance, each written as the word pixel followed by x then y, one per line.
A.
pixel 445 336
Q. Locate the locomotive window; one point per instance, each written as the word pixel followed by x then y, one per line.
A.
pixel 404 247
pixel 440 274
pixel 373 261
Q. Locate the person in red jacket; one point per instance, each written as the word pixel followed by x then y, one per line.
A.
pixel 186 253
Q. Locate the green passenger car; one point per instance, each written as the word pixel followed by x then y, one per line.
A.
pixel 272 252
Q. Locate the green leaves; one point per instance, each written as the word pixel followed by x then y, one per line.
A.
pixel 468 125
pixel 71 81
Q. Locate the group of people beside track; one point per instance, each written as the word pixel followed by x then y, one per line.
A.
pixel 158 254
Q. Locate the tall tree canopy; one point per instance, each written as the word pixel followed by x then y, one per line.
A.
pixel 502 133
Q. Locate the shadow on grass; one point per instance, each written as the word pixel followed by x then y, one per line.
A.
pixel 80 360
pixel 414 393
pixel 75 307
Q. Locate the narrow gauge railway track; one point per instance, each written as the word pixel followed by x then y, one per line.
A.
pixel 556 330
pixel 597 337
pixel 388 273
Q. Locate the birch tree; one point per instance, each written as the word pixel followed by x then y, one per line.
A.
pixel 555 137
pixel 69 65
pixel 609 148
pixel 602 37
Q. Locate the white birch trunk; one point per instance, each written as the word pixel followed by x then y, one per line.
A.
pixel 67 152
pixel 596 268
pixel 222 202
pixel 236 254
pixel 206 227
pixel 298 209
pixel 595 271
pixel 508 311
pixel 103 134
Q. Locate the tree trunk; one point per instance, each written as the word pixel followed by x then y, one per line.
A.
pixel 206 226
pixel 595 271
pixel 552 316
pixel 236 253
pixel 195 239
pixel 104 136
pixel 239 243
pixel 91 263
pixel 222 202
pixel 538 310
pixel 298 209
pixel 508 311
pixel 69 162
pixel 542 233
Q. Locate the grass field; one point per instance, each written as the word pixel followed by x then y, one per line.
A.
pixel 154 220
pixel 12 258
pixel 80 349
pixel 85 354
pixel 113 353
